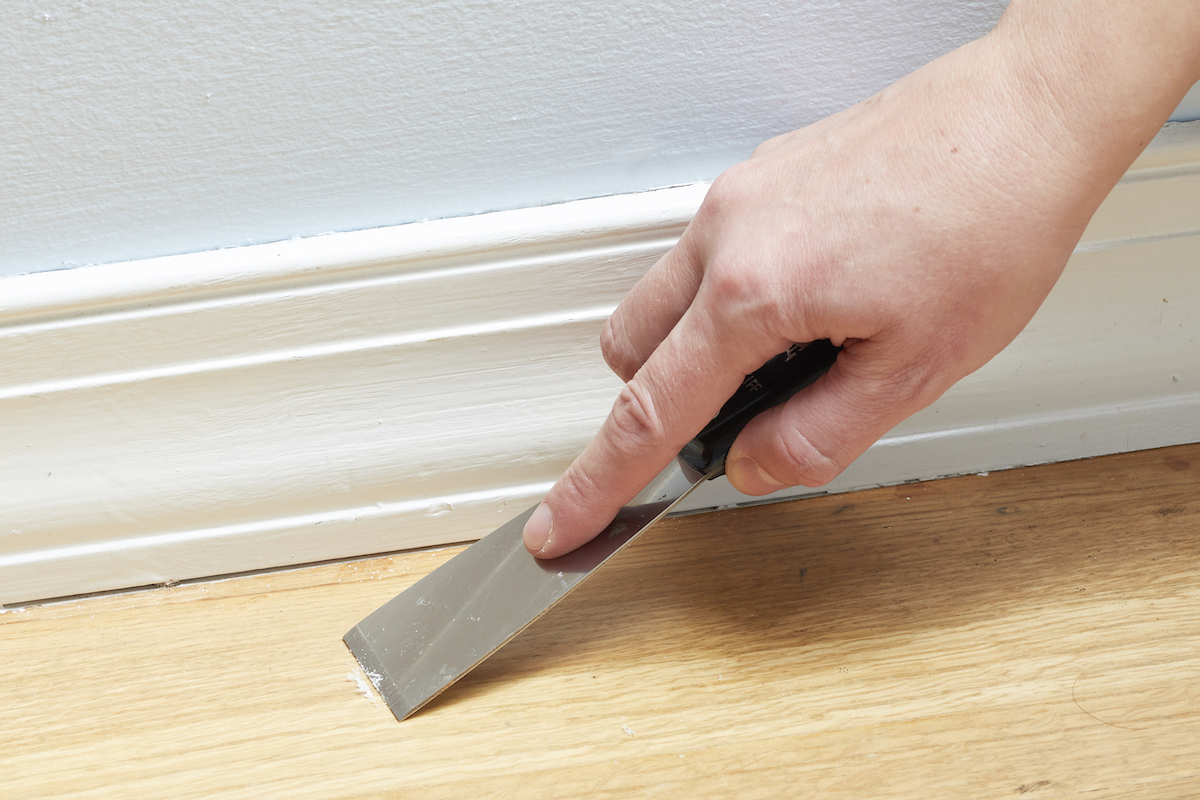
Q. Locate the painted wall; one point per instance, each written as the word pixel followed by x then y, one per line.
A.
pixel 145 128
pixel 150 127
pixel 1189 109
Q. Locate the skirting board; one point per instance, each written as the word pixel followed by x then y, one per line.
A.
pixel 368 392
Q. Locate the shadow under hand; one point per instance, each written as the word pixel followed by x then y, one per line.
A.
pixel 785 582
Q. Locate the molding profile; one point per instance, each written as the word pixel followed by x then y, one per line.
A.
pixel 367 392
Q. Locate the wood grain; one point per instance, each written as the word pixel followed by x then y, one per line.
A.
pixel 1033 633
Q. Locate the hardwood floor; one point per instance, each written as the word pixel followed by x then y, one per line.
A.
pixel 1028 633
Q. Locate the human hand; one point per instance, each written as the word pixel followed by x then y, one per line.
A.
pixel 920 230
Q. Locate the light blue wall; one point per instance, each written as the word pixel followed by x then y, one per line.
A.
pixel 146 128
pixel 1189 109
pixel 150 127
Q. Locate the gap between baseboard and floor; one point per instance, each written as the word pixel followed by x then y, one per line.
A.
pixel 368 392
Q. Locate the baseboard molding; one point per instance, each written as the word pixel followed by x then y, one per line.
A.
pixel 373 391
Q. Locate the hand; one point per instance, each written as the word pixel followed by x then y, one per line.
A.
pixel 920 229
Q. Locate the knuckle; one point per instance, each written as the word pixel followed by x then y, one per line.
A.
pixel 617 351
pixel 635 419
pixel 744 273
pixel 729 190
pixel 917 391
pixel 577 484
pixel 732 190
pixel 744 293
pixel 737 282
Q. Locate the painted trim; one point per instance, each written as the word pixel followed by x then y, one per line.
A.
pixel 367 392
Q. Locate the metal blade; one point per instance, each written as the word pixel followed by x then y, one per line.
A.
pixel 441 627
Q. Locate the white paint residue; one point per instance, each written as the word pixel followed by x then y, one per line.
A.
pixel 440 509
pixel 356 677
pixel 628 730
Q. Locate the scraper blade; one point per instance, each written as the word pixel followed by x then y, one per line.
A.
pixel 431 634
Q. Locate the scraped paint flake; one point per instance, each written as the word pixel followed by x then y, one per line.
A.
pixel 359 680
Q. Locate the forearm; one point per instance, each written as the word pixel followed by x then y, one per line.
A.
pixel 1108 72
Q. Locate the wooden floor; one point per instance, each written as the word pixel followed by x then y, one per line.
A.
pixel 1028 633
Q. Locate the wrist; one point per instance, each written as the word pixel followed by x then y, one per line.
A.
pixel 1108 72
pixel 1084 86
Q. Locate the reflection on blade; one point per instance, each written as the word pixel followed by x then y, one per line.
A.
pixel 437 630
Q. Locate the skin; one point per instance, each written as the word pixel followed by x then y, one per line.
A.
pixel 921 229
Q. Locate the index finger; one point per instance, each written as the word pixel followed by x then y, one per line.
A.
pixel 679 389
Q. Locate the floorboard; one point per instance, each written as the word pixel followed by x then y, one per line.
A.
pixel 1030 633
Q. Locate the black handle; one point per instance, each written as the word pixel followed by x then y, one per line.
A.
pixel 773 383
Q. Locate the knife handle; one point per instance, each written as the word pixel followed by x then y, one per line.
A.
pixel 770 385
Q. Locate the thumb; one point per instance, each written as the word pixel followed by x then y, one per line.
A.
pixel 813 437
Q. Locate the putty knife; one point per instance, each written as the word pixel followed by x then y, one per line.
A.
pixel 441 627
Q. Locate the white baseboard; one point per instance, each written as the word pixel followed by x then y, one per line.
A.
pixel 373 391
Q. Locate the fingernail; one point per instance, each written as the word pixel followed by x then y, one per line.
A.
pixel 537 529
pixel 749 478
